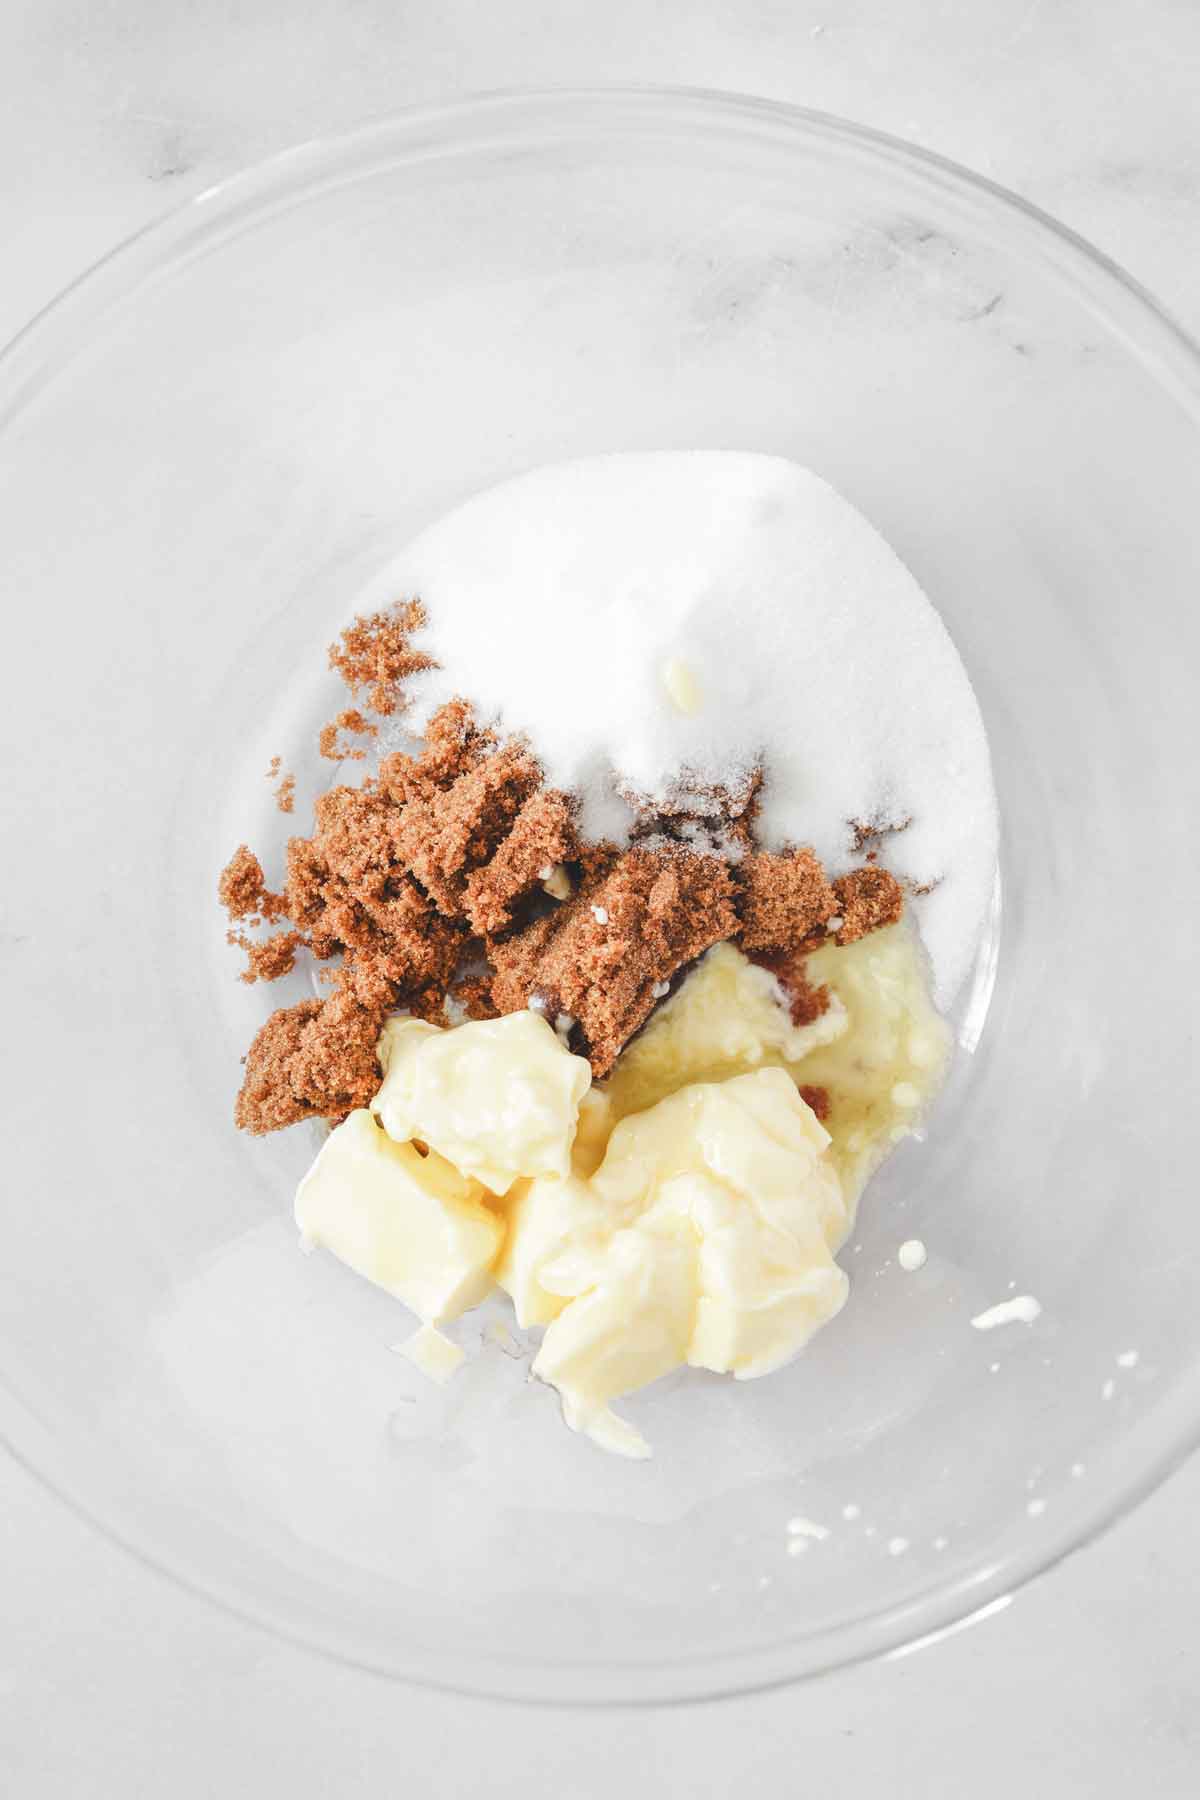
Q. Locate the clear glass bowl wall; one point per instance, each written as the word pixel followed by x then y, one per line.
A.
pixel 207 450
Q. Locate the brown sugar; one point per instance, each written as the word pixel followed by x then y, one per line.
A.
pixel 374 654
pixel 867 899
pixel 273 957
pixel 785 899
pixel 329 739
pixel 427 885
pixel 600 957
pixel 818 1099
pixel 310 1060
pixel 541 835
pixel 450 833
pixel 474 994
pixel 871 832
pixel 243 891
pixel 807 1001
pixel 285 794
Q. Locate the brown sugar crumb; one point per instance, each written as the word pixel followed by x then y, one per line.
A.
pixel 275 765
pixel 867 900
pixel 316 1058
pixel 273 957
pixel 329 741
pixel 243 891
pixel 374 654
pixel 474 995
pixel 453 744
pixel 807 1001
pixel 872 831
pixel 447 835
pixel 818 1099
pixel 599 957
pixel 785 899
pixel 715 819
pixel 285 794
pixel 542 834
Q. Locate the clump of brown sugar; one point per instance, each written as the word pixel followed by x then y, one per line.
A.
pixel 270 958
pixel 374 656
pixel 329 739
pixel 786 899
pixel 600 959
pixel 243 891
pixel 542 835
pixel 427 888
pixel 313 1060
pixel 867 900
pixel 397 881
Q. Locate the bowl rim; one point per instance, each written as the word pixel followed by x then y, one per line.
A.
pixel 504 117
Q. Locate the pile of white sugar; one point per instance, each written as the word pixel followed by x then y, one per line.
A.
pixel 661 624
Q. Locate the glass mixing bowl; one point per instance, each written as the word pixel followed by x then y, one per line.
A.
pixel 207 449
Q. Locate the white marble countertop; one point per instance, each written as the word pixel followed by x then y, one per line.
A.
pixel 113 1682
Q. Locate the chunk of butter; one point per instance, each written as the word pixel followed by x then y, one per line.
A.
pixel 498 1098
pixel 548 1219
pixel 730 1016
pixel 553 1215
pixel 436 1356
pixel 682 686
pixel 723 1213
pixel 410 1223
pixel 633 1324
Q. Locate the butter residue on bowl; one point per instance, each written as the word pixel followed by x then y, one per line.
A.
pixel 686 1211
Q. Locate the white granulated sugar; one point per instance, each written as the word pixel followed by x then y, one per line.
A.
pixel 557 600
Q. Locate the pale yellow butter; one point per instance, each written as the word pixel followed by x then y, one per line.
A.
pixel 436 1355
pixel 880 1050
pixel 410 1223
pixel 726 1019
pixel 724 1213
pixel 685 1211
pixel 632 1324
pixel 882 1071
pixel 549 1217
pixel 499 1098
pixel 682 686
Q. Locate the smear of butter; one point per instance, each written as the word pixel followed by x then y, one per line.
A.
pixel 499 1098
pixel 412 1224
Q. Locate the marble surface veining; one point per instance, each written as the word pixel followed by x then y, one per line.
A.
pixel 113 1682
